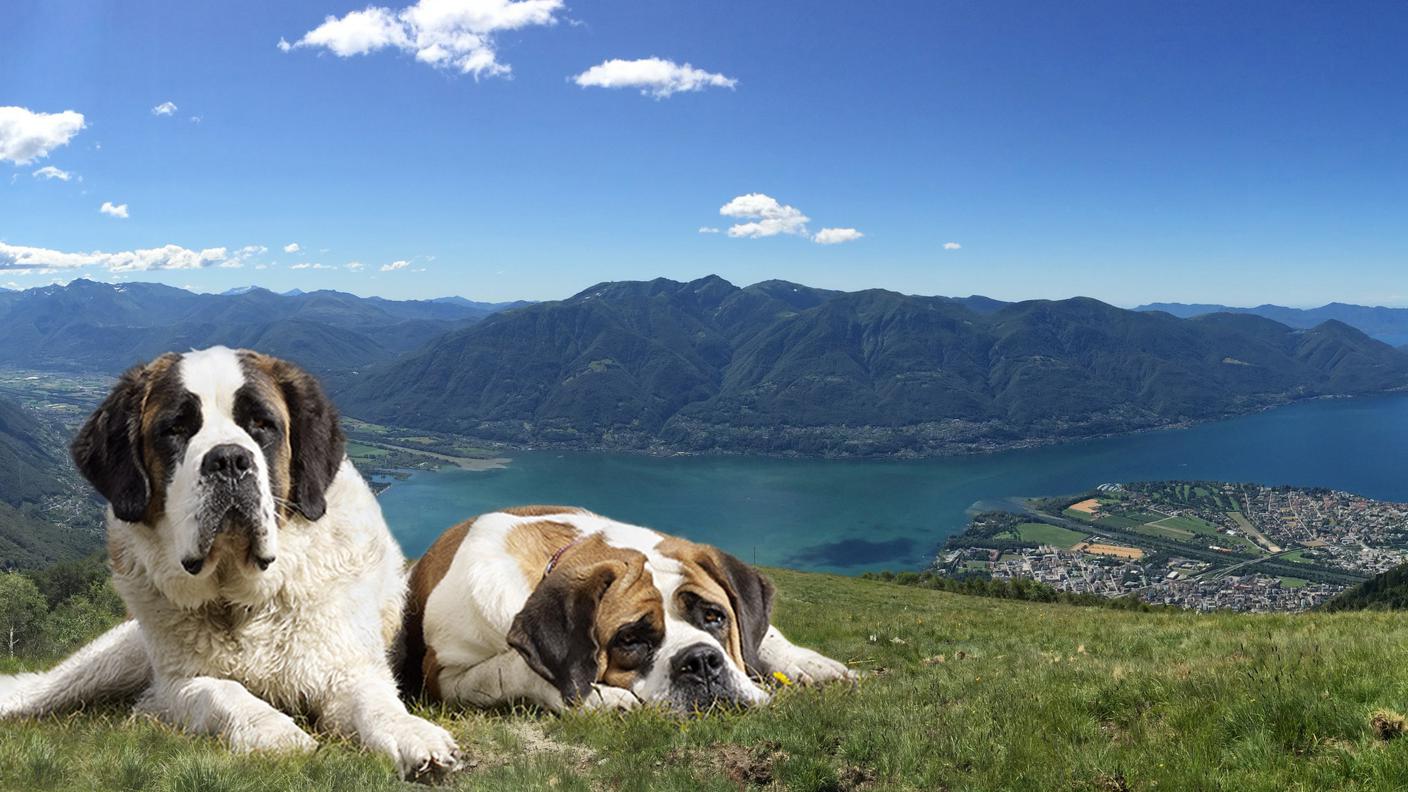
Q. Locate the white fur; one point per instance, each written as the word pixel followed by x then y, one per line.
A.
pixel 468 615
pixel 231 651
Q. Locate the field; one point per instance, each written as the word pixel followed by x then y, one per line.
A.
pixel 1044 533
pixel 959 693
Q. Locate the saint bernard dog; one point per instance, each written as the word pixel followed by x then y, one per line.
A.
pixel 254 559
pixel 559 607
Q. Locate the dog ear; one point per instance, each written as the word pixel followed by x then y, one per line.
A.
pixel 750 595
pixel 107 450
pixel 556 631
pixel 316 441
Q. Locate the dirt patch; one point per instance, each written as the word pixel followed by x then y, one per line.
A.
pixel 1118 551
pixel 1110 782
pixel 746 766
pixel 1387 724
pixel 1088 506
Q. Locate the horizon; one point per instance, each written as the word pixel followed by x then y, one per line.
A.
pixel 295 291
pixel 1198 154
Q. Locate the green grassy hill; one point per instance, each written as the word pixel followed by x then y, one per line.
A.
pixel 960 693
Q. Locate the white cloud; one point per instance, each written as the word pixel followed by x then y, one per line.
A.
pixel 241 257
pixel 458 34
pixel 168 257
pixel 164 109
pixel 113 210
pixel 952 246
pixel 354 266
pixel 395 265
pixel 768 217
pixel 314 266
pixel 708 230
pixel 292 247
pixel 26 136
pixel 835 236
pixel 653 76
pixel 49 173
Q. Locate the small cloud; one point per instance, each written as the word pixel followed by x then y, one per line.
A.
pixel 311 266
pixel 354 266
pixel 767 216
pixel 240 257
pixel 26 136
pixel 50 173
pixel 835 236
pixel 952 246
pixel 196 119
pixel 113 210
pixel 164 109
pixel 292 247
pixel 708 230
pixel 395 265
pixel 655 77
pixel 458 34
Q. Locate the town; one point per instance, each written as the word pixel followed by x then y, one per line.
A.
pixel 1197 545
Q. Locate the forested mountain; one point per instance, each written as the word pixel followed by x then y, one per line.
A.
pixel 1389 325
pixel 780 367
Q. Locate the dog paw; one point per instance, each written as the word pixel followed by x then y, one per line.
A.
pixel 606 697
pixel 805 667
pixel 272 732
pixel 424 752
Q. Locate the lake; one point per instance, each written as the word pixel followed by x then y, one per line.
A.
pixel 854 515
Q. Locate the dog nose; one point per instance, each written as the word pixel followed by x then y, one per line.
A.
pixel 193 565
pixel 700 663
pixel 227 461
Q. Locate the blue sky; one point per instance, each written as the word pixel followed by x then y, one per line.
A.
pixel 1228 152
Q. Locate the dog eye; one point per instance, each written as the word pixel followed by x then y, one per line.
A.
pixel 174 430
pixel 713 617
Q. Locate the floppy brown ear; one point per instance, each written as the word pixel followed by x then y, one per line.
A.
pixel 107 450
pixel 315 437
pixel 556 630
pixel 750 595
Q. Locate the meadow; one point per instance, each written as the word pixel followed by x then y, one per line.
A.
pixel 957 693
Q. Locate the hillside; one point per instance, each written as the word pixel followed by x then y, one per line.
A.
pixel 779 367
pixel 44 509
pixel 90 326
pixel 1387 591
pixel 1389 325
pixel 958 693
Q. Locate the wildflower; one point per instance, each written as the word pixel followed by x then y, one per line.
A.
pixel 782 679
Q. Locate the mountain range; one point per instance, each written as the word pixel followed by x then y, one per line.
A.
pixel 779 367
pixel 91 326
pixel 1389 325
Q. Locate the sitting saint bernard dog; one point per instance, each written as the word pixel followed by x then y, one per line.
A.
pixel 254 559
pixel 558 607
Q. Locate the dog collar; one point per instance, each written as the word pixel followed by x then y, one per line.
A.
pixel 552 562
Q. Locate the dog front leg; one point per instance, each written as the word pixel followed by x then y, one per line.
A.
pixel 505 678
pixel 226 709
pixel 799 663
pixel 113 666
pixel 365 704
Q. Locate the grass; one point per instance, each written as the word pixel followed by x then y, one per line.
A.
pixel 960 693
pixel 1064 538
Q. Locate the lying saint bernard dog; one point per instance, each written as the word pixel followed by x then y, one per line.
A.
pixel 254 558
pixel 557 607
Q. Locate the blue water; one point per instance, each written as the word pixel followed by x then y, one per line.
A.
pixel 850 516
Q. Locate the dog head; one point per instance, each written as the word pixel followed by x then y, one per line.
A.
pixel 212 451
pixel 677 624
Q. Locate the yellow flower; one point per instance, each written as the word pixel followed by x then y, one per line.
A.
pixel 781 678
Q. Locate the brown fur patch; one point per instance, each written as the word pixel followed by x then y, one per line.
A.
pixel 541 511
pixel 698 562
pixel 262 377
pixel 533 544
pixel 630 598
pixel 419 668
pixel 153 400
